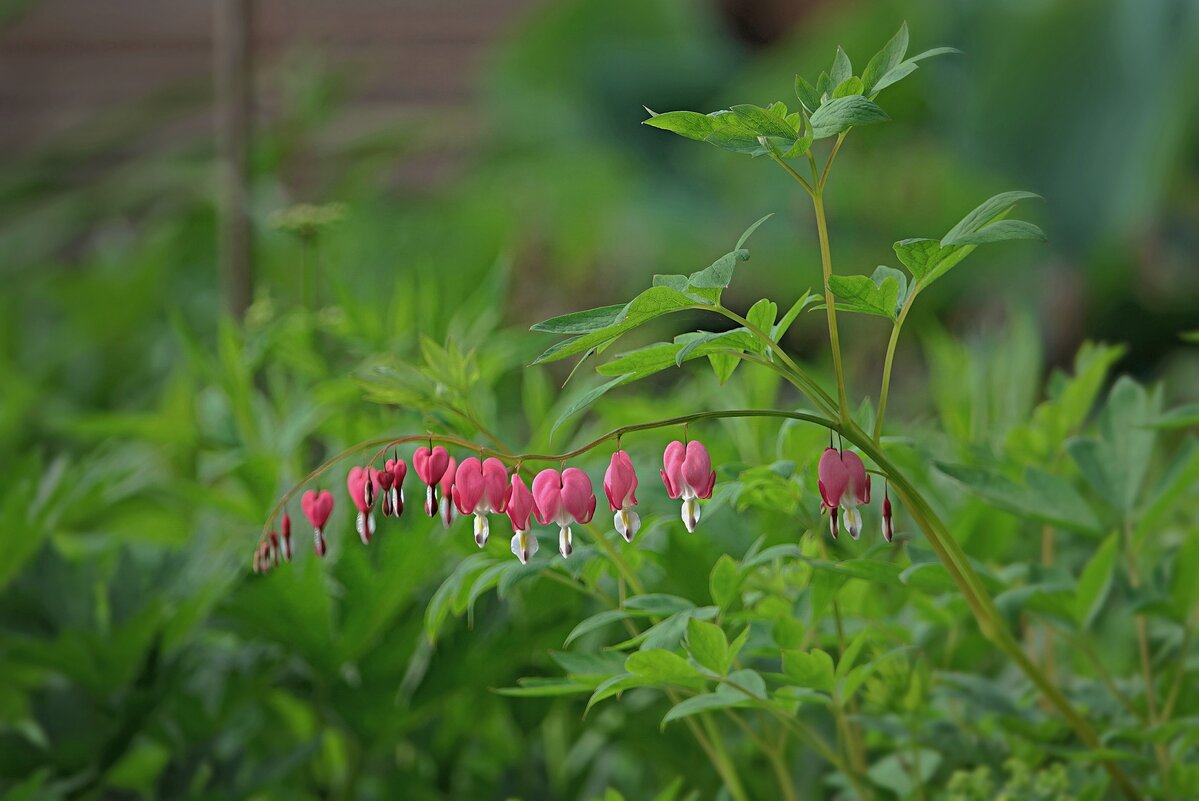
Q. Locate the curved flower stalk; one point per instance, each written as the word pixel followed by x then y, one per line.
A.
pixel 687 473
pixel 431 466
pixel 520 509
pixel 620 485
pixel 481 488
pixel 563 499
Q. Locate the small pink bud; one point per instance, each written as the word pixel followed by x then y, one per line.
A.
pixel 888 526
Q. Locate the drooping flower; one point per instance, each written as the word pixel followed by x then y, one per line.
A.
pixel 360 482
pixel 563 499
pixel 448 513
pixel 431 467
pixel 480 488
pixel 687 473
pixel 317 506
pixel 844 484
pixel 620 485
pixel 285 526
pixel 888 526
pixel 391 479
pixel 520 508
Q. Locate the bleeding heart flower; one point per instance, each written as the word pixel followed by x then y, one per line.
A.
pixel 480 488
pixel 620 485
pixel 520 508
pixel 687 473
pixel 285 525
pixel 317 506
pixel 563 498
pixel 844 484
pixel 448 513
pixel 391 480
pixel 360 484
pixel 431 467
pixel 888 527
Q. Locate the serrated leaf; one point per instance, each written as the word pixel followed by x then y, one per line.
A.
pixel 842 113
pixel 708 645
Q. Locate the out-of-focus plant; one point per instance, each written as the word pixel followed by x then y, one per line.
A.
pixel 847 659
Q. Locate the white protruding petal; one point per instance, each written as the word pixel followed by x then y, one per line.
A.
pixel 447 513
pixel 565 543
pixel 482 530
pixel 430 502
pixel 627 523
pixel 365 526
pixel 853 521
pixel 524 546
pixel 690 513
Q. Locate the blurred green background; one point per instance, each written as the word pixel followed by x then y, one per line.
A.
pixel 492 172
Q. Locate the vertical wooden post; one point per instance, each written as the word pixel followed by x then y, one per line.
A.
pixel 234 87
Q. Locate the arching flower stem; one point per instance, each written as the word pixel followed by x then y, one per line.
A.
pixel 947 549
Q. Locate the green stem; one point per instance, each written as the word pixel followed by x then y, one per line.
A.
pixel 830 306
pixel 887 362
pixel 804 382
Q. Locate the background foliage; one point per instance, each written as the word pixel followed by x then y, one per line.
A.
pixel 144 437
